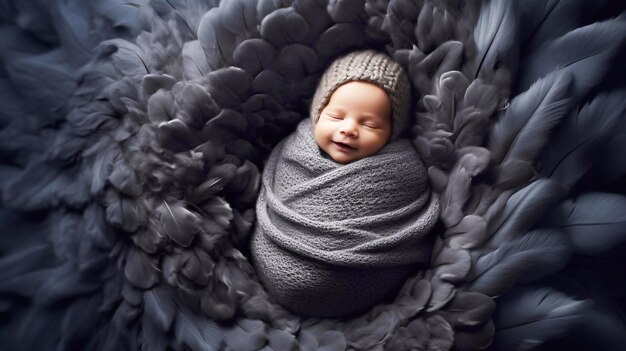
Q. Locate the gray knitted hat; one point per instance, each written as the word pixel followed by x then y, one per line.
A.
pixel 368 66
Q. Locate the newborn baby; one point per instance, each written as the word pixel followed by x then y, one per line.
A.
pixel 344 209
pixel 356 123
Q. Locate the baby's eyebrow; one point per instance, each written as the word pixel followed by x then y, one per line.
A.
pixel 337 108
pixel 371 116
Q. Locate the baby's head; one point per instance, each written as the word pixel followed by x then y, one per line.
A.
pixel 360 104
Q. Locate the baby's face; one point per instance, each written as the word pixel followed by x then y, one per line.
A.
pixel 355 123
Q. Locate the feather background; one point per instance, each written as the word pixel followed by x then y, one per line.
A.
pixel 496 37
pixel 523 130
pixel 544 313
pixel 585 132
pixel 593 222
pixel 577 51
pixel 133 135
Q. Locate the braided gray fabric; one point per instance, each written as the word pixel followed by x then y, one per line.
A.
pixel 334 239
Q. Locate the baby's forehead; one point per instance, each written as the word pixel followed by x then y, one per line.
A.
pixel 361 84
pixel 361 89
pixel 360 95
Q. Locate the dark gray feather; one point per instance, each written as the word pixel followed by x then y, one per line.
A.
pixel 571 152
pixel 523 209
pixel 529 317
pixel 195 64
pixel 593 222
pixel 522 131
pixel 495 36
pixel 587 52
pixel 526 258
pixel 195 331
pixel 283 27
pixel 543 21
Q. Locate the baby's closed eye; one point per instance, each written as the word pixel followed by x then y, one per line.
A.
pixel 371 125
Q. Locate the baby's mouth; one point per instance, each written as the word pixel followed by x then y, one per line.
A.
pixel 344 146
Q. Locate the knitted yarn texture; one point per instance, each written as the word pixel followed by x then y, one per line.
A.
pixel 368 66
pixel 334 239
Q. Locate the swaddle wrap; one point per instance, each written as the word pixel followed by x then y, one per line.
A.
pixel 333 239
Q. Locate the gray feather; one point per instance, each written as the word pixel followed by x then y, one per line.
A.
pixel 195 331
pixel 284 26
pixel 216 40
pixel 229 86
pixel 526 258
pixel 240 16
pixel 195 64
pixel 522 131
pixel 139 269
pixel 586 52
pixel 571 152
pixel 338 38
pixel 523 209
pixel 593 222
pixel 529 317
pixel 246 335
pixel 458 188
pixel 254 55
pixel 495 36
pixel 435 25
pixel 177 222
pixel 160 308
pixel 543 21
pixel 128 58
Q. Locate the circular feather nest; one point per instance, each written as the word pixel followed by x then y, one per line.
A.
pixel 134 134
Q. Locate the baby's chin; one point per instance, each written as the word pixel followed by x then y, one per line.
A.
pixel 343 161
pixel 343 155
pixel 344 158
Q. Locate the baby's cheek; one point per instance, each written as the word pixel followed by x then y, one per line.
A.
pixel 317 134
pixel 322 132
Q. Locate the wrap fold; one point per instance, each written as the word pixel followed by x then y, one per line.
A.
pixel 333 239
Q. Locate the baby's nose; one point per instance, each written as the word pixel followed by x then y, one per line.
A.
pixel 348 127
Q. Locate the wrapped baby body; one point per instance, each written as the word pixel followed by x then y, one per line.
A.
pixel 333 239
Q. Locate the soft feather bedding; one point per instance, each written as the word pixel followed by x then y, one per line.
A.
pixel 133 134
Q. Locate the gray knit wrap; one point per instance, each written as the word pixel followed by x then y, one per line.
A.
pixel 368 66
pixel 334 239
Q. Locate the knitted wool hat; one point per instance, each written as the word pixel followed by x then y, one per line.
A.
pixel 368 66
